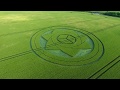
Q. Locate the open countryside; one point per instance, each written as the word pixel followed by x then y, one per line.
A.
pixel 59 45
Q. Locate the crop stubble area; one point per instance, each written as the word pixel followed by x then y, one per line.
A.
pixel 59 44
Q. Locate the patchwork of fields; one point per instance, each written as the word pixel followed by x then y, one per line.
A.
pixel 59 45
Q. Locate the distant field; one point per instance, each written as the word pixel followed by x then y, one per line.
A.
pixel 59 45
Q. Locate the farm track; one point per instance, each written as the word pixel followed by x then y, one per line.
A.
pixel 105 68
pixel 15 55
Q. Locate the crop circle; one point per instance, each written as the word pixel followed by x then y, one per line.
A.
pixel 67 46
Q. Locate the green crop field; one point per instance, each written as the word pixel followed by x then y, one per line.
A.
pixel 59 45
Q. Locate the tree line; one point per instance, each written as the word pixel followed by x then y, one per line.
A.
pixel 116 14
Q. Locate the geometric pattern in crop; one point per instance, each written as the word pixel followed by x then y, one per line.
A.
pixel 67 46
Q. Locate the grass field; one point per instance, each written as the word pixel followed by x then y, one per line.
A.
pixel 59 45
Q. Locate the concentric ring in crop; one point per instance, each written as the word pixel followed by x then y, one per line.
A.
pixel 67 46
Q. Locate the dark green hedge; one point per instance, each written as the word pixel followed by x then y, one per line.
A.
pixel 116 14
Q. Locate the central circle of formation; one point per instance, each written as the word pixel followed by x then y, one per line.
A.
pixel 67 46
pixel 68 38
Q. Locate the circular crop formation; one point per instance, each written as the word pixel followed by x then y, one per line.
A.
pixel 67 46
